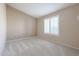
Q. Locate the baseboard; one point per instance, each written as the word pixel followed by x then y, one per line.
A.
pixel 23 38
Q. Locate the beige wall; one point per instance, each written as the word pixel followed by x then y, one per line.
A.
pixel 68 27
pixel 19 24
pixel 2 26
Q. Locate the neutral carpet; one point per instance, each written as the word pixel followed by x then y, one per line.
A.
pixel 36 47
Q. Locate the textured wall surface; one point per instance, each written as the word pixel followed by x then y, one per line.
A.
pixel 19 24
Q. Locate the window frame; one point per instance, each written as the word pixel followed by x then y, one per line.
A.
pixel 51 33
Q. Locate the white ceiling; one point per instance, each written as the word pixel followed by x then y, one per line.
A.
pixel 39 9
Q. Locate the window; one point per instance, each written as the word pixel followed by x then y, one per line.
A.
pixel 51 26
pixel 46 25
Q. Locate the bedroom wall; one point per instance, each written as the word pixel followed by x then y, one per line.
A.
pixel 19 25
pixel 2 26
pixel 68 27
